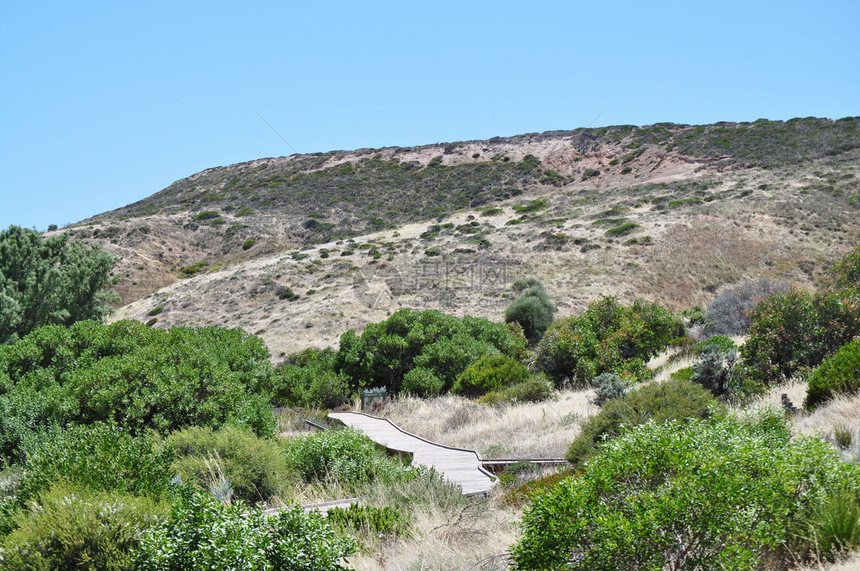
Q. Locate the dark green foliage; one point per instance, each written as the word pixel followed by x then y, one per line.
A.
pixel 533 309
pixel 193 269
pixel 490 373
pixel 256 467
pixel 248 244
pixel 422 382
pixel 202 533
pixel 45 281
pixel 607 338
pixel 718 342
pixel 285 292
pixel 132 375
pixel 72 527
pixel 344 456
pixel 537 388
pixel 622 230
pixel 308 380
pixel 370 520
pixel 721 494
pixel 839 374
pixel 206 215
pixel 797 330
pixel 669 400
pixel 609 386
pixel 442 344
pixel 155 311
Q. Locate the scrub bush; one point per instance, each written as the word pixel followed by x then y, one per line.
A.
pixel 490 373
pixel 607 338
pixel 609 386
pixel 839 374
pixel 72 527
pixel 256 467
pixel 442 344
pixel 533 309
pixel 667 401
pixel 721 494
pixel 202 533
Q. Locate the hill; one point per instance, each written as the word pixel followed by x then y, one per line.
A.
pixel 297 249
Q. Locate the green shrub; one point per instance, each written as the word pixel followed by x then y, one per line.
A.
pixel 344 456
pixel 256 467
pixel 444 345
pixel 422 382
pixel 720 494
pixel 797 330
pixel 134 376
pixel 622 230
pixel 839 374
pixel 667 401
pixel 155 311
pixel 72 527
pixel 248 244
pixel 833 526
pixel 490 373
pixel 719 342
pixel 308 380
pixel 609 386
pixel 684 374
pixel 99 457
pixel 202 533
pixel 845 274
pixel 607 338
pixel 370 520
pixel 533 309
pixel 206 215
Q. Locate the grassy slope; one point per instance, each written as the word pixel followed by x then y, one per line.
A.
pixel 704 206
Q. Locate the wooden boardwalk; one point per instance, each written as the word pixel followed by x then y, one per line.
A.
pixel 456 465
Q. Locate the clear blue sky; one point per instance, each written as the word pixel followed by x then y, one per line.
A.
pixel 105 103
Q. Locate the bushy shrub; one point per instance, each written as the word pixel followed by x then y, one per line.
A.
pixel 719 494
pixel 609 386
pixel 256 467
pixel 719 342
pixel 667 401
pixel 713 370
pixel 490 373
pixel 728 313
pixel 607 338
pixel 797 330
pixel 845 274
pixel 370 520
pixel 344 456
pixel 308 380
pixel 833 526
pixel 134 376
pixel 839 374
pixel 444 345
pixel 202 533
pixel 533 309
pixel 422 382
pixel 72 527
pixel 98 457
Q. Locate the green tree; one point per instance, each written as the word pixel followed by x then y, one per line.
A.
pixel 47 281
pixel 533 309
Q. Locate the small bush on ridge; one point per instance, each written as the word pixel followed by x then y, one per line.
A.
pixel 609 386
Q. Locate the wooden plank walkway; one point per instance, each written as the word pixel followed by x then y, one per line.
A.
pixel 456 465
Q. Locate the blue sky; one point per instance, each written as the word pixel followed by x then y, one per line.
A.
pixel 103 104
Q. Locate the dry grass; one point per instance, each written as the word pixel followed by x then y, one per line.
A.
pixel 840 414
pixel 528 430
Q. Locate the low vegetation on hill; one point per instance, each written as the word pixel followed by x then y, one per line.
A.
pixel 148 446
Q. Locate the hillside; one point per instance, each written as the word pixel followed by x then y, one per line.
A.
pixel 669 212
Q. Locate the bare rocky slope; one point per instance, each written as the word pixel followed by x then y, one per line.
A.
pixel 299 249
